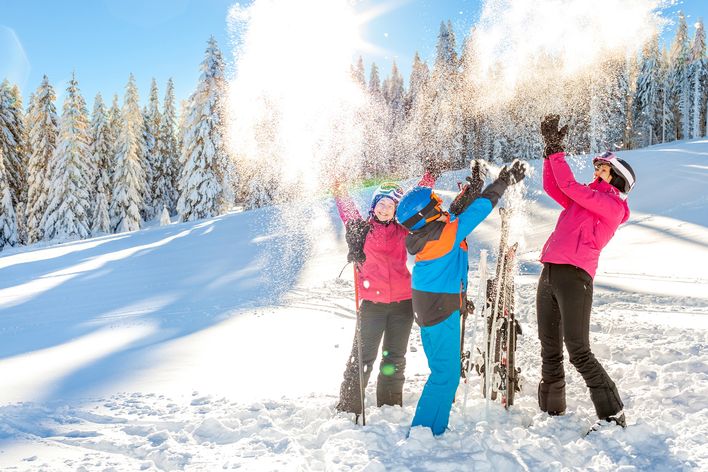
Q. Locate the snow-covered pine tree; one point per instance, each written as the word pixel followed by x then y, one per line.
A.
pixel 445 136
pixel 8 223
pixel 115 122
pixel 668 124
pixel 375 82
pixel 166 177
pixel 152 158
pixel 68 205
pixel 358 73
pixel 102 158
pixel 420 74
pixel 376 157
pixel 679 81
pixel 416 107
pixel 204 179
pixel 698 79
pixel 646 106
pixel 43 135
pixel 11 140
pixel 129 176
pixel 394 95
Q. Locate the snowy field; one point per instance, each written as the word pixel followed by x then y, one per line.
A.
pixel 220 345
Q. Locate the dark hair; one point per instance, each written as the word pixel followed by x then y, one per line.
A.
pixel 617 180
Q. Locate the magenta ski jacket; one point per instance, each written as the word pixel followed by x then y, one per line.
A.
pixel 591 215
pixel 384 276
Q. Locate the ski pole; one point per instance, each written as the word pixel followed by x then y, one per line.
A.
pixel 362 389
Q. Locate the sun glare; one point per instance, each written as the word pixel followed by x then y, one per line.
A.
pixel 292 81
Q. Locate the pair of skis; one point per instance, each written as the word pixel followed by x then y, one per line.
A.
pixel 496 361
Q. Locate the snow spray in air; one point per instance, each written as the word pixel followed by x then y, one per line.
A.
pixel 293 111
pixel 525 59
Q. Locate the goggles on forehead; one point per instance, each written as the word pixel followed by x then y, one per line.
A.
pixel 389 189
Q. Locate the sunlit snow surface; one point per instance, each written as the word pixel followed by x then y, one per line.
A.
pixel 220 345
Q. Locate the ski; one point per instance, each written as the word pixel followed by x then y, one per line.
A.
pixel 497 363
pixel 466 355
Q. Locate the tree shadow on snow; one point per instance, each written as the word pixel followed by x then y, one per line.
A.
pixel 180 279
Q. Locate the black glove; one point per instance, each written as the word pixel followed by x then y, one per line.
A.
pixel 470 191
pixel 552 136
pixel 356 231
pixel 513 174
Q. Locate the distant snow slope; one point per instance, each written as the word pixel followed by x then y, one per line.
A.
pixel 220 345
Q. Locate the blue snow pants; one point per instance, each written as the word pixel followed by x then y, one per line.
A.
pixel 441 343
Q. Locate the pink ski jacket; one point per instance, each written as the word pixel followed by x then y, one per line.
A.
pixel 591 215
pixel 384 276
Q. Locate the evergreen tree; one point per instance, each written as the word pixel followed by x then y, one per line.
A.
pixel 698 79
pixel 168 170
pixel 679 81
pixel 609 106
pixel 43 135
pixel 68 205
pixel 647 103
pixel 375 82
pixel 204 180
pixel 11 141
pixel 115 122
pixel 446 54
pixel 358 73
pixel 668 122
pixel 416 111
pixel 445 136
pixel 418 80
pixel 8 224
pixel 152 157
pixel 129 176
pixel 102 158
pixel 394 93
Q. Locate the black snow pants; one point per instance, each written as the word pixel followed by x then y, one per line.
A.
pixel 563 305
pixel 392 322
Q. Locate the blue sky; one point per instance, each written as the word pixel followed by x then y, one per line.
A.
pixel 103 41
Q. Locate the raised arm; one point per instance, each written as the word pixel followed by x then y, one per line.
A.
pixel 550 185
pixel 482 206
pixel 599 203
pixel 553 145
pixel 345 205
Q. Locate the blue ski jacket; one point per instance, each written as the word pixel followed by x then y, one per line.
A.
pixel 439 278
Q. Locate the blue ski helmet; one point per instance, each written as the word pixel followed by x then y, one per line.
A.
pixel 418 206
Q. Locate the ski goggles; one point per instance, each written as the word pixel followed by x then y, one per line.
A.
pixel 611 159
pixel 389 189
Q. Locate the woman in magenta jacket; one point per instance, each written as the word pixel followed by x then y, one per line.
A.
pixel 377 246
pixel 591 214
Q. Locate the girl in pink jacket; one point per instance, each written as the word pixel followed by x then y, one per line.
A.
pixel 377 247
pixel 591 214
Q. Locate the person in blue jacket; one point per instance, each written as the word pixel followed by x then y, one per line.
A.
pixel 439 282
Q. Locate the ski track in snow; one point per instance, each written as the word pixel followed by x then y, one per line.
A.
pixel 649 328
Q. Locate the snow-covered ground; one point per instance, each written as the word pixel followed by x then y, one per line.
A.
pixel 221 344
